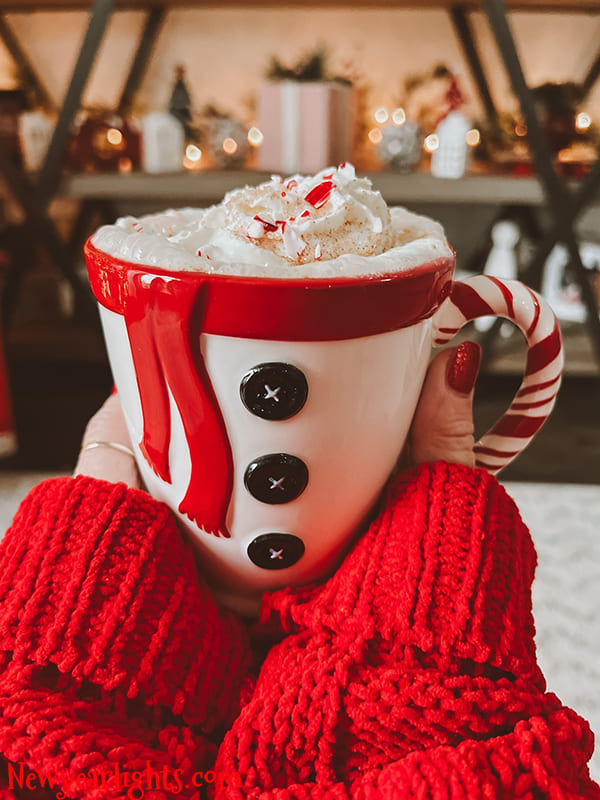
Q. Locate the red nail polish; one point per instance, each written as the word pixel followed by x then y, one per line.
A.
pixel 463 367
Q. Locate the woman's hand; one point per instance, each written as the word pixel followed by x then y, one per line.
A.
pixel 103 461
pixel 442 427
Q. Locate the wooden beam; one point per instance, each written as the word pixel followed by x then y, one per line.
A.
pixel 27 73
pixel 51 171
pixel 592 76
pixel 566 6
pixel 152 27
pixel 462 28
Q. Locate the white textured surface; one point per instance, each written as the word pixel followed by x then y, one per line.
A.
pixel 565 525
pixel 13 488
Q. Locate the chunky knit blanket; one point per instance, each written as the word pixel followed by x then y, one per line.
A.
pixel 410 673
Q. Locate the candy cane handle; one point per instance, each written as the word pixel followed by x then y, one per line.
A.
pixel 482 296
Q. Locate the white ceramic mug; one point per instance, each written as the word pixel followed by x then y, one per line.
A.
pixel 268 413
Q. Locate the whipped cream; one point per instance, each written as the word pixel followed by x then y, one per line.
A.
pixel 330 224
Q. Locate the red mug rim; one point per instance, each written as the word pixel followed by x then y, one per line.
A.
pixel 286 309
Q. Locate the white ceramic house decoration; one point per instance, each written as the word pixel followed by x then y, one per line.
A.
pixel 163 142
pixel 35 133
pixel 450 158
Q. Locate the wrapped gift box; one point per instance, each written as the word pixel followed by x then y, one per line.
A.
pixel 307 126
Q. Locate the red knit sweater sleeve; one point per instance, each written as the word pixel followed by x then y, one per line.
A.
pixel 113 655
pixel 411 673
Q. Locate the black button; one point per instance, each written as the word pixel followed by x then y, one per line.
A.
pixel 274 391
pixel 276 478
pixel 275 550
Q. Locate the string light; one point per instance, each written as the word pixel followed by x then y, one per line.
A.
pixel 583 121
pixel 398 116
pixel 192 157
pixel 381 115
pixel 375 135
pixel 255 136
pixel 230 146
pixel 114 136
pixel 520 129
pixel 473 137
pixel 193 153
pixel 432 142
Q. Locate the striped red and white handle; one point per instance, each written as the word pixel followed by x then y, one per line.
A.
pixel 485 295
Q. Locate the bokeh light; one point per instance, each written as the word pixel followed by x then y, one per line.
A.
pixel 583 121
pixel 375 135
pixel 255 136
pixel 432 142
pixel 230 146
pixel 193 153
pixel 473 137
pixel 114 136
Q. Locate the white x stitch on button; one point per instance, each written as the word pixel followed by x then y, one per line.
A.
pixel 277 483
pixel 271 394
pixel 276 553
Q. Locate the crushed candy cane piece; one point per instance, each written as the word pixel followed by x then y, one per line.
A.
pixel 318 252
pixel 294 244
pixel 270 225
pixel 320 194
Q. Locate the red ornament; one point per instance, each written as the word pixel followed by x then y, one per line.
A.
pixel 105 142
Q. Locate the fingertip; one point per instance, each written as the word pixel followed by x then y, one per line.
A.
pixel 443 423
pixel 463 367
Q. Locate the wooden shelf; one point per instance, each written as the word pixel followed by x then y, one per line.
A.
pixel 209 186
pixel 567 6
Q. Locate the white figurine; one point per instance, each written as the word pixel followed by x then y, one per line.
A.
pixel 35 133
pixel 565 296
pixel 450 158
pixel 163 142
pixel 501 263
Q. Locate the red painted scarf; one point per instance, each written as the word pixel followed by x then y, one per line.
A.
pixel 164 320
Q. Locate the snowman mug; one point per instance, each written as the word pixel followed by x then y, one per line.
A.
pixel 268 413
